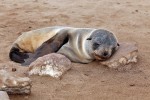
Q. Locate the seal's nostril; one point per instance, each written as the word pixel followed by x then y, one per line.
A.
pixel 105 54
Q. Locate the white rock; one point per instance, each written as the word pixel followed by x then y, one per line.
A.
pixel 54 65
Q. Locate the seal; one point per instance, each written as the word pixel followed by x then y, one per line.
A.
pixel 80 45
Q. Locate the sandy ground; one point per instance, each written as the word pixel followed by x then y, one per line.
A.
pixel 128 19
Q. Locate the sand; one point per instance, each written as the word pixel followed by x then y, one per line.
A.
pixel 128 19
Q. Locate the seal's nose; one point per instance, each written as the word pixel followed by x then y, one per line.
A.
pixel 105 54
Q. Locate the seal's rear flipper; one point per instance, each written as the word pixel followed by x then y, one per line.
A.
pixel 17 56
pixel 50 46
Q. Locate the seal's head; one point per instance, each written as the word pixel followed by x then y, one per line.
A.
pixel 104 44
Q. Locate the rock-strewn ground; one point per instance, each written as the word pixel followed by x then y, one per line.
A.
pixel 128 19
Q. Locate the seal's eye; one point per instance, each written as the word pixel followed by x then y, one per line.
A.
pixel 118 44
pixel 96 45
pixel 89 38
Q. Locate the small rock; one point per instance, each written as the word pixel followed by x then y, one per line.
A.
pixel 14 69
pixel 4 95
pixel 127 53
pixel 86 74
pixel 30 27
pixel 14 84
pixel 102 81
pixel 54 65
pixel 136 10
pixel 132 84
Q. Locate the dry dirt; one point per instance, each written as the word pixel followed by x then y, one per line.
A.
pixel 128 19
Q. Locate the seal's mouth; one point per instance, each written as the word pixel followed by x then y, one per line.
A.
pixel 98 57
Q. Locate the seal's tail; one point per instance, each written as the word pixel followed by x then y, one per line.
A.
pixel 17 56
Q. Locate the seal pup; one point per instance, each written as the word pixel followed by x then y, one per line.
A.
pixel 80 45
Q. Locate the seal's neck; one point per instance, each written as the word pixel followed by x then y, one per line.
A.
pixel 89 49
